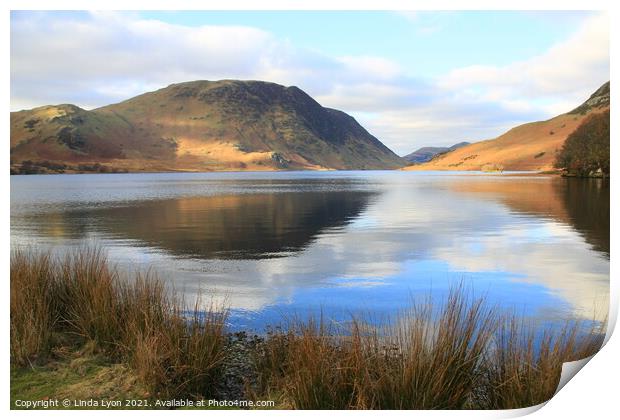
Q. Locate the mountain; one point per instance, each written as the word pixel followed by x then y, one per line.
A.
pixel 532 146
pixel 424 154
pixel 196 126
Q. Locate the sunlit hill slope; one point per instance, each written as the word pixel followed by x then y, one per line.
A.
pixel 196 126
pixel 531 146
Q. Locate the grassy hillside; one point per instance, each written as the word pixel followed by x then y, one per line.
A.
pixel 532 146
pixel 196 126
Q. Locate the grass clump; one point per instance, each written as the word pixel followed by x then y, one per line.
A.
pixel 523 367
pixel 174 351
pixel 33 312
pixel 460 354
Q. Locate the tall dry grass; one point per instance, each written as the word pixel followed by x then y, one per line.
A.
pixel 88 295
pixel 523 365
pixel 33 306
pixel 460 354
pixel 175 351
pixel 184 361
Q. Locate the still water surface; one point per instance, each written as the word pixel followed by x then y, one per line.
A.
pixel 283 244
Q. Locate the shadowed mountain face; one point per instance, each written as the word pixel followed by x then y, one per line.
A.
pixel 196 126
pixel 245 226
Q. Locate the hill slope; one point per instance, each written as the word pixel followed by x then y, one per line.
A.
pixel 196 126
pixel 424 154
pixel 531 146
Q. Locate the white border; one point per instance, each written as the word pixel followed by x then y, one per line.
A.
pixel 591 394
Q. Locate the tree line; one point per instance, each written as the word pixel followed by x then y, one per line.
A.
pixel 586 150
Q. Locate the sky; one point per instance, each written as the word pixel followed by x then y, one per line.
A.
pixel 412 79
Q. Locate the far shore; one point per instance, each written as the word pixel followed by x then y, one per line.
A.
pixel 511 172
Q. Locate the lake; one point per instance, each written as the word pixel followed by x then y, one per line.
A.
pixel 273 245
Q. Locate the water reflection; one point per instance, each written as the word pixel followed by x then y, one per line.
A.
pixel 581 203
pixel 245 226
pixel 344 241
pixel 587 202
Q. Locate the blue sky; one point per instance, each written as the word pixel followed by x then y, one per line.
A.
pixel 411 78
pixel 428 43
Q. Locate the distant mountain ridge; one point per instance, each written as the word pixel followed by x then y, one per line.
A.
pixel 424 154
pixel 196 126
pixel 531 146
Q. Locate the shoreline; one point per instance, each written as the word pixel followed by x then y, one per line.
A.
pixel 505 172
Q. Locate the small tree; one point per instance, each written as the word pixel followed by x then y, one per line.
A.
pixel 586 150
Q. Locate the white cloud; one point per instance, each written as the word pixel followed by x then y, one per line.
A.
pixel 374 67
pixel 568 70
pixel 55 59
pixel 427 23
pixel 103 48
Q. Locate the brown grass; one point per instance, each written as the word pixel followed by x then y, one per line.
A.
pixel 173 350
pixel 523 369
pixel 461 354
pixel 458 354
pixel 33 315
